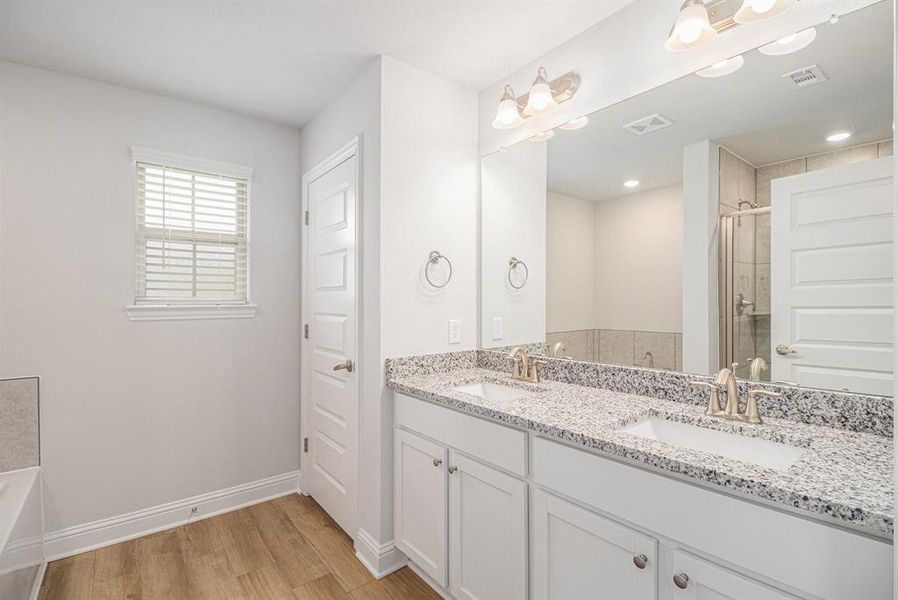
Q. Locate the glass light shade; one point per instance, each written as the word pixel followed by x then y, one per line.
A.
pixel 724 67
pixel 540 99
pixel 507 114
pixel 754 11
pixel 692 28
pixel 578 123
pixel 790 43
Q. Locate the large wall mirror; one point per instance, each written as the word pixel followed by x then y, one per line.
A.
pixel 741 214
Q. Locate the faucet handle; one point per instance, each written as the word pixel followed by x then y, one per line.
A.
pixel 713 408
pixel 752 414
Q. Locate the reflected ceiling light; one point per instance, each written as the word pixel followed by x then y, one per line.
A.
pixel 789 44
pixel 542 137
pixel 692 29
pixel 754 11
pixel 838 136
pixel 631 183
pixel 724 67
pixel 540 100
pixel 508 115
pixel 578 123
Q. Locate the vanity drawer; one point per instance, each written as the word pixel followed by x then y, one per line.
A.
pixel 496 444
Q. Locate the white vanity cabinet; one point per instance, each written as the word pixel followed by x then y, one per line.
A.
pixel 577 552
pixel 703 580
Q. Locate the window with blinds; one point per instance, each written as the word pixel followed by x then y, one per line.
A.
pixel 191 237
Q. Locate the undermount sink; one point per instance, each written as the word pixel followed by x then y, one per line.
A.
pixel 491 391
pixel 764 453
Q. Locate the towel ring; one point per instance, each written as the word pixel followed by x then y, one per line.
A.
pixel 433 259
pixel 514 263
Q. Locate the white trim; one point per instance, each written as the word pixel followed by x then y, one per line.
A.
pixel 351 148
pixel 380 559
pixel 181 312
pixel 443 593
pixel 38 581
pixel 190 163
pixel 90 536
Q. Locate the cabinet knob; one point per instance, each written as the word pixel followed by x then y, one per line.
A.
pixel 681 580
pixel 437 462
pixel 640 560
pixel 452 470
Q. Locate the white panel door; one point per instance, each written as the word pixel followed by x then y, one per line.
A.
pixel 420 503
pixel 331 472
pixel 487 532
pixel 831 278
pixel 579 554
pixel 693 578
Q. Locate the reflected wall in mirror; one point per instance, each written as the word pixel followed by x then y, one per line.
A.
pixel 744 218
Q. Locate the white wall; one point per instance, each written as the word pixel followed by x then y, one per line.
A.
pixel 513 199
pixel 639 261
pixel 624 55
pixel 570 263
pixel 135 414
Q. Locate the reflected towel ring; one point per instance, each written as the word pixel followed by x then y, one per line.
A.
pixel 433 259
pixel 514 263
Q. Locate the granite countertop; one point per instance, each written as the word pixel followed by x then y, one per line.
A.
pixel 843 477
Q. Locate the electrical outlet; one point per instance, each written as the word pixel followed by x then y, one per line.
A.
pixel 454 331
pixel 497 328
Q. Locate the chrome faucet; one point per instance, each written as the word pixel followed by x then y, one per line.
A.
pixel 525 368
pixel 727 378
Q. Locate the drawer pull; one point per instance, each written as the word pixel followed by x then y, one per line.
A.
pixel 681 580
pixel 452 470
pixel 437 462
pixel 640 560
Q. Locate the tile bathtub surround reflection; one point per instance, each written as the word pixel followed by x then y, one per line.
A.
pixel 19 424
pixel 617 347
pixel 661 345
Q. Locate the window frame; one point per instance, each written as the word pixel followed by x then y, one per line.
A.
pixel 191 308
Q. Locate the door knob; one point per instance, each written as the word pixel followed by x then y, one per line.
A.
pixel 681 580
pixel 437 462
pixel 452 470
pixel 783 350
pixel 640 560
pixel 347 366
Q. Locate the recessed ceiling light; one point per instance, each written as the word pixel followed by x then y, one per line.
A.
pixel 724 67
pixel 631 183
pixel 577 123
pixel 541 137
pixel 838 136
pixel 790 43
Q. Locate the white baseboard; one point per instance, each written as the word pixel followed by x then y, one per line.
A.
pixel 443 592
pixel 380 559
pixel 89 536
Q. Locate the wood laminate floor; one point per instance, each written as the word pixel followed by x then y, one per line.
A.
pixel 287 548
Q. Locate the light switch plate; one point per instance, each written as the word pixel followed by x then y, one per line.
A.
pixel 497 328
pixel 454 331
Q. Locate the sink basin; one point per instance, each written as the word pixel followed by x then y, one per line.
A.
pixel 764 453
pixel 491 391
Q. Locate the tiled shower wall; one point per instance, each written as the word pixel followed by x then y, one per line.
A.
pixel 622 347
pixel 19 424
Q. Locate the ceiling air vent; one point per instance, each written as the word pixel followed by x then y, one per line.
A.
pixel 648 124
pixel 805 77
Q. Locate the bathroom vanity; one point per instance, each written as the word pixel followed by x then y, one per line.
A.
pixel 552 490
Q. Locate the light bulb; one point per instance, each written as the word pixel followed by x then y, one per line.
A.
pixel 689 31
pixel 753 11
pixel 761 6
pixel 540 99
pixel 507 114
pixel 692 29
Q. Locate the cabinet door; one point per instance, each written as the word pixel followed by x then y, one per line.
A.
pixel 421 504
pixel 578 554
pixel 487 532
pixel 704 580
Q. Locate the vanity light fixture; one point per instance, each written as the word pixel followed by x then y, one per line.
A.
pixel 578 123
pixel 543 136
pixel 790 43
pixel 724 67
pixel 692 29
pixel 631 183
pixel 838 136
pixel 542 98
pixel 755 11
pixel 508 116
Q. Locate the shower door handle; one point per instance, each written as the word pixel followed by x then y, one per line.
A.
pixel 784 350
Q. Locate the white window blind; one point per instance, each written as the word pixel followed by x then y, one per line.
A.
pixel 191 236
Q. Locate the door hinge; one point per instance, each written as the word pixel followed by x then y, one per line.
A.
pixel 305 444
pixel 307 217
pixel 305 331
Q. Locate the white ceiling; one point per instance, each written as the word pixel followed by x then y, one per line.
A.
pixel 283 60
pixel 753 112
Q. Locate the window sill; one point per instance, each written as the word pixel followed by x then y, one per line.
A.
pixel 185 312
